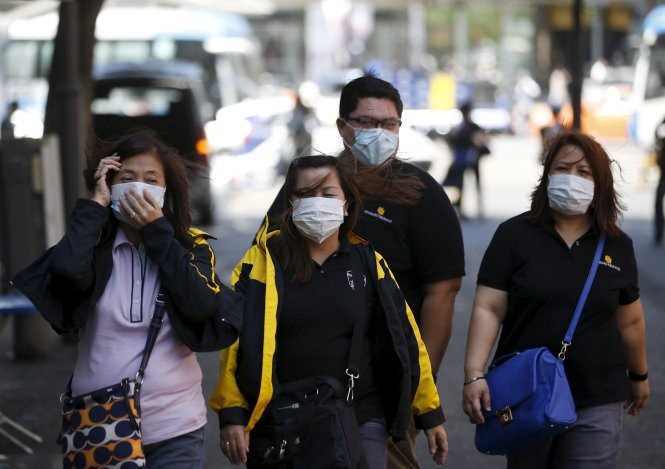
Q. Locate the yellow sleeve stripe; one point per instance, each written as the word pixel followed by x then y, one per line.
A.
pixel 426 397
pixel 200 239
pixel 265 273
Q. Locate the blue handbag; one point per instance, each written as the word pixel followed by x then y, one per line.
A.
pixel 529 392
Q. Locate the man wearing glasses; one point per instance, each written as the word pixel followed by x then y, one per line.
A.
pixel 422 242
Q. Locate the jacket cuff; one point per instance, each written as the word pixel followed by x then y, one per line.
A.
pixel 231 309
pixel 430 419
pixel 157 234
pixel 91 211
pixel 233 416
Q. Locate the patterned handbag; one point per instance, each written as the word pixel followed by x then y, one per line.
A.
pixel 103 428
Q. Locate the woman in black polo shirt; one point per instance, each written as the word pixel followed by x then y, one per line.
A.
pixel 529 282
pixel 304 285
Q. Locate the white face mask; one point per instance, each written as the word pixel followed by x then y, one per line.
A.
pixel 569 194
pixel 118 193
pixel 373 147
pixel 318 217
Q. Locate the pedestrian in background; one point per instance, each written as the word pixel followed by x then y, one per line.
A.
pixel 468 143
pixel 305 284
pixel 659 150
pixel 554 128
pixel 8 124
pixel 558 83
pixel 529 282
pixel 301 125
pixel 124 243
pixel 421 241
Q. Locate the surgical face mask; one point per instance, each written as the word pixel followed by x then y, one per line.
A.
pixel 318 217
pixel 118 193
pixel 569 194
pixel 373 147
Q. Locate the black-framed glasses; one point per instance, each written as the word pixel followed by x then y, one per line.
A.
pixel 391 124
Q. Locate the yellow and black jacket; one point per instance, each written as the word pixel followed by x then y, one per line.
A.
pixel 247 380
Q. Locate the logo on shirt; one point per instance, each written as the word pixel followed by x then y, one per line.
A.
pixel 380 214
pixel 349 278
pixel 607 262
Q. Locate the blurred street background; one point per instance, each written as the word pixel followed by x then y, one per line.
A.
pixel 250 84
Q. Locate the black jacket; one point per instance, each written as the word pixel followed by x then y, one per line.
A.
pixel 66 281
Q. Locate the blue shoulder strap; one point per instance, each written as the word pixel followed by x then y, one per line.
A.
pixel 585 292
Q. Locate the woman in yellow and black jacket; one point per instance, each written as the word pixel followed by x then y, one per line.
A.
pixel 303 285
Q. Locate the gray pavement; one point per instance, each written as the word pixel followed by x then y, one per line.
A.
pixel 29 390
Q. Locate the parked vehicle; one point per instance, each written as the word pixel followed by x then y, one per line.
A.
pixel 247 140
pixel 167 97
pixel 222 42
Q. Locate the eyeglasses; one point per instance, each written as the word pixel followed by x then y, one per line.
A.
pixel 368 123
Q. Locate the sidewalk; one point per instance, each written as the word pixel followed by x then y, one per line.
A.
pixel 29 392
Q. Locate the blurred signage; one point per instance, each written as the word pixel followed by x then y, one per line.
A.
pixel 442 91
pixel 413 87
pixel 619 18
pixel 561 17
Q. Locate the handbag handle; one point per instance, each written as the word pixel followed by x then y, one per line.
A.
pixel 153 331
pixel 567 339
pixel 502 359
pixel 155 326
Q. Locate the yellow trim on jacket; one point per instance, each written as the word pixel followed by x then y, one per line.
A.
pixel 422 400
pixel 227 393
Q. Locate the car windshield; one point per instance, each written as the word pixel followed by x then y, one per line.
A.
pixel 133 101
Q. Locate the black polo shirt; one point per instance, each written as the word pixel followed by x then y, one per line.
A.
pixel 544 279
pixel 316 323
pixel 422 243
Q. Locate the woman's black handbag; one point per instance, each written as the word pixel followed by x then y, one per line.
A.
pixel 309 424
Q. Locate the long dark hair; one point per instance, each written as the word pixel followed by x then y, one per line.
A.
pixel 389 182
pixel 138 141
pixel 359 183
pixel 606 206
pixel 290 246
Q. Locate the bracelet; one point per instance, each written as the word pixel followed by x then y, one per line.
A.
pixel 637 377
pixel 473 379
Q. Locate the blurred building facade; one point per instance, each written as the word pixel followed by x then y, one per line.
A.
pixel 480 40
pixel 494 41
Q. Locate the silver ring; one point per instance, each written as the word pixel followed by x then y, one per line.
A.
pixel 228 443
pixel 133 214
